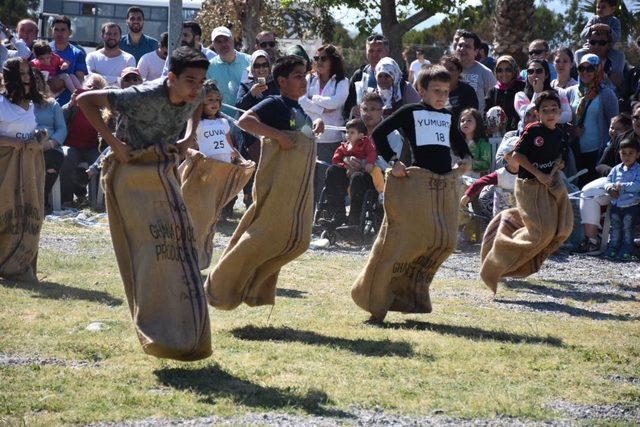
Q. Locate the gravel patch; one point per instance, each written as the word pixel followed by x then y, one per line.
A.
pixel 15 360
pixel 570 415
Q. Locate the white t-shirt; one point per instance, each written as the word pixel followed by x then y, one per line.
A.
pixel 212 139
pixel 150 66
pixel 416 66
pixel 109 68
pixel 481 79
pixel 15 121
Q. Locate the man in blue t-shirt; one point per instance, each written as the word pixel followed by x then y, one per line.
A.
pixel 61 29
pixel 135 42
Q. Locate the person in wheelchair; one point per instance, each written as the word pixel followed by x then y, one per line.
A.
pixel 353 172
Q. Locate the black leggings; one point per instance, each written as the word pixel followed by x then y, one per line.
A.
pixel 52 161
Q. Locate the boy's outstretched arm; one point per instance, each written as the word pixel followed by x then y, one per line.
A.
pixel 90 103
pixel 251 123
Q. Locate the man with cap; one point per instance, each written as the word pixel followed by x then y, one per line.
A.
pixel 600 42
pixel 228 67
pixel 594 104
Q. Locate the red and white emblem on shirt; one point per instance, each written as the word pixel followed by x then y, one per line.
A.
pixel 539 141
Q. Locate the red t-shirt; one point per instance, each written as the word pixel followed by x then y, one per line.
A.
pixel 362 150
pixel 53 68
pixel 81 133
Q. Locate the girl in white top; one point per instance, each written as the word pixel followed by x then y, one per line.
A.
pixel 17 118
pixel 213 133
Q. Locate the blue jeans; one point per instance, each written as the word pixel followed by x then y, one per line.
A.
pixel 623 221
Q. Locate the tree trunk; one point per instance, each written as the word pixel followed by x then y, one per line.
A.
pixel 511 28
pixel 249 12
pixel 394 30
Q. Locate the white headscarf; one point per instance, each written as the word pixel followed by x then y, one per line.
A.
pixel 254 56
pixel 393 94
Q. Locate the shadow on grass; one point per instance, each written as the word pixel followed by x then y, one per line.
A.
pixel 573 292
pixel 212 383
pixel 360 346
pixel 475 333
pixel 573 284
pixel 290 293
pixel 52 290
pixel 555 307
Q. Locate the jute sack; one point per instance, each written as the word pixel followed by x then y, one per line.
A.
pixel 273 231
pixel 21 210
pixel 156 252
pixel 419 232
pixel 518 240
pixel 207 186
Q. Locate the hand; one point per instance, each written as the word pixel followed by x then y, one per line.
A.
pixel 354 163
pixel 603 169
pixel 257 89
pixel 613 192
pixel 560 164
pixel 121 151
pixel 399 170
pixel 464 201
pixel 64 66
pixel 538 84
pixel 544 178
pixel 318 126
pixel 183 144
pixel 285 142
pixel 49 145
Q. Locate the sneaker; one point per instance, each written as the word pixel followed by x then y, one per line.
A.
pixel 611 253
pixel 590 246
pixel 627 256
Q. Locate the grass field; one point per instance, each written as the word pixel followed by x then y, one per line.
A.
pixel 312 354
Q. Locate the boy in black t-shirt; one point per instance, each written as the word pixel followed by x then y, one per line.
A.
pixel 282 112
pixel 518 240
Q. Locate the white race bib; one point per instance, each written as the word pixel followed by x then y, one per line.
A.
pixel 212 139
pixel 432 128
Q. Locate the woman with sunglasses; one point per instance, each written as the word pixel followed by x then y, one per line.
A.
pixel 594 105
pixel 563 61
pixel 504 92
pixel 258 86
pixel 327 92
pixel 539 80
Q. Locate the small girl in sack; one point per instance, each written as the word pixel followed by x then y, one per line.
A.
pixel 213 133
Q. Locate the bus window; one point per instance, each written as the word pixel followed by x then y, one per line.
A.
pixel 105 9
pixel 71 8
pixel 159 14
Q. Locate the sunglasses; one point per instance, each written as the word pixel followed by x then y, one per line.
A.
pixel 537 52
pixel 535 71
pixel 586 69
pixel 267 44
pixel 320 58
pixel 600 42
pixel 376 38
pixel 504 70
pixel 261 65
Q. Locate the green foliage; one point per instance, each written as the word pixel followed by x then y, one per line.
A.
pixel 12 11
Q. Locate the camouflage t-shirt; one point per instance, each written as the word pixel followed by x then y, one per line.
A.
pixel 151 118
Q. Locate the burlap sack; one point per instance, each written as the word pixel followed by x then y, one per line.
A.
pixel 518 240
pixel 419 232
pixel 21 210
pixel 156 252
pixel 273 231
pixel 207 186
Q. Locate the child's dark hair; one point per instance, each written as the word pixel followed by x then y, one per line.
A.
pixel 357 124
pixel 285 65
pixel 185 57
pixel 630 142
pixel 372 97
pixel 612 3
pixel 209 86
pixel 624 119
pixel 547 95
pixel 481 131
pixel 13 87
pixel 41 47
pixel 436 73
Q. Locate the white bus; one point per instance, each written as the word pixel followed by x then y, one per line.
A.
pixel 88 16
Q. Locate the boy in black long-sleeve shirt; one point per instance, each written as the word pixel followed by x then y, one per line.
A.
pixel 427 126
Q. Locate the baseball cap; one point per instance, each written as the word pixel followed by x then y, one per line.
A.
pixel 220 31
pixel 591 59
pixel 130 70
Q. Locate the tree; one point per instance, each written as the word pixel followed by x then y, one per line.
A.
pixel 512 27
pixel 396 17
pixel 12 11
pixel 241 15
